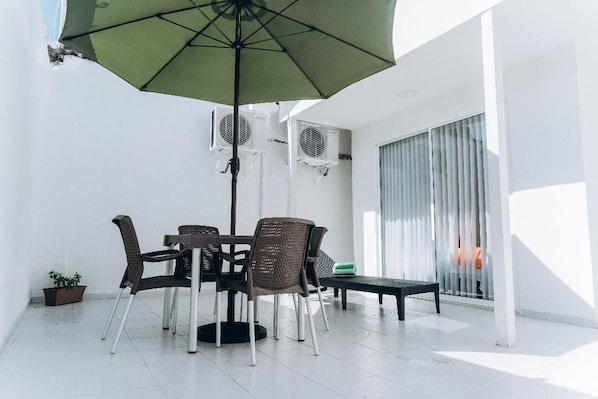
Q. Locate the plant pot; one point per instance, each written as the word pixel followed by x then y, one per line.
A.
pixel 61 296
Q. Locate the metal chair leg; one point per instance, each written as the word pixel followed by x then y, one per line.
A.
pixel 218 325
pixel 276 315
pixel 256 310
pixel 295 306
pixel 250 310
pixel 322 308
pixel 167 309
pixel 311 327
pixel 122 324
pixel 175 309
pixel 112 312
pixel 240 294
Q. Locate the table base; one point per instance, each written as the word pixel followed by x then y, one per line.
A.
pixel 232 333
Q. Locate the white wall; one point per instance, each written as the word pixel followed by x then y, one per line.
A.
pixel 419 21
pixel 327 200
pixel 549 209
pixel 21 80
pixel 109 149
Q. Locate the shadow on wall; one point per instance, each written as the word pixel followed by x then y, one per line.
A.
pixel 541 293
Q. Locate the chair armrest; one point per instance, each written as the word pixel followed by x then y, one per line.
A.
pixel 166 254
pixel 231 258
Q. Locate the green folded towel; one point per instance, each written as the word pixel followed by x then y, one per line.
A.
pixel 344 269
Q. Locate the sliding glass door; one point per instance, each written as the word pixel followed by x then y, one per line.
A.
pixel 433 208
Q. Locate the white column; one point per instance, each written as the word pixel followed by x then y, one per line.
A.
pixel 499 234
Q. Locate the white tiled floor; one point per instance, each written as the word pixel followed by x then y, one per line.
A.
pixel 56 352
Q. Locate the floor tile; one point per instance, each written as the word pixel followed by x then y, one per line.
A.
pixel 368 353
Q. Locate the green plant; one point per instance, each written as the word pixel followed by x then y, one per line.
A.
pixel 61 281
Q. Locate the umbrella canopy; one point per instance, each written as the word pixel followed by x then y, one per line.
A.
pixel 235 52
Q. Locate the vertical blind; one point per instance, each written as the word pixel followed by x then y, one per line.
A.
pixel 433 208
pixel 460 208
pixel 408 246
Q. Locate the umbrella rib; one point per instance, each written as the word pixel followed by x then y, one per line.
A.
pixel 188 44
pixel 228 47
pixel 91 32
pixel 168 62
pixel 209 46
pixel 176 24
pixel 273 37
pixel 263 25
pixel 278 37
pixel 314 29
pixel 198 8
pixel 228 44
pixel 307 77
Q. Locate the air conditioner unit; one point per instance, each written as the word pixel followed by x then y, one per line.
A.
pixel 317 144
pixel 253 128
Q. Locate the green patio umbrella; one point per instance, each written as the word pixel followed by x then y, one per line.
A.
pixel 235 52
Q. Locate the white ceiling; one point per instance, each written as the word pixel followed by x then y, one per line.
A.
pixel 524 29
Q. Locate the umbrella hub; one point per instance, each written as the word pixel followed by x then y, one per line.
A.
pixel 249 9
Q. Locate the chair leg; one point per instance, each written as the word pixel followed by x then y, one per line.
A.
pixel 311 327
pixel 175 309
pixel 256 310
pixel 276 318
pixel 240 294
pixel 122 324
pixel 323 309
pixel 167 309
pixel 295 306
pixel 111 316
pixel 218 325
pixel 250 310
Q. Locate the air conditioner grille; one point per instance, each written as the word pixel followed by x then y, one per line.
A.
pixel 227 129
pixel 312 142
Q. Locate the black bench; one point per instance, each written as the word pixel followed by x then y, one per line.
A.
pixel 382 285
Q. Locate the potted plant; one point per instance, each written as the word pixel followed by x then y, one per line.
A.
pixel 65 290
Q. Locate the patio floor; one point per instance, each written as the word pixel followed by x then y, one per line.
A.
pixel 56 352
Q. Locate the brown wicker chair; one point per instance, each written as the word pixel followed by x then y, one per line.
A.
pixel 275 265
pixel 210 265
pixel 133 276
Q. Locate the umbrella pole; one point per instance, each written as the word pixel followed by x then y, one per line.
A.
pixel 234 170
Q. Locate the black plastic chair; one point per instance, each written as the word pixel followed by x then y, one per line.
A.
pixel 133 276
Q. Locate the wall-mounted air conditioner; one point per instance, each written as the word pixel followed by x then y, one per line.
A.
pixel 317 144
pixel 253 128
